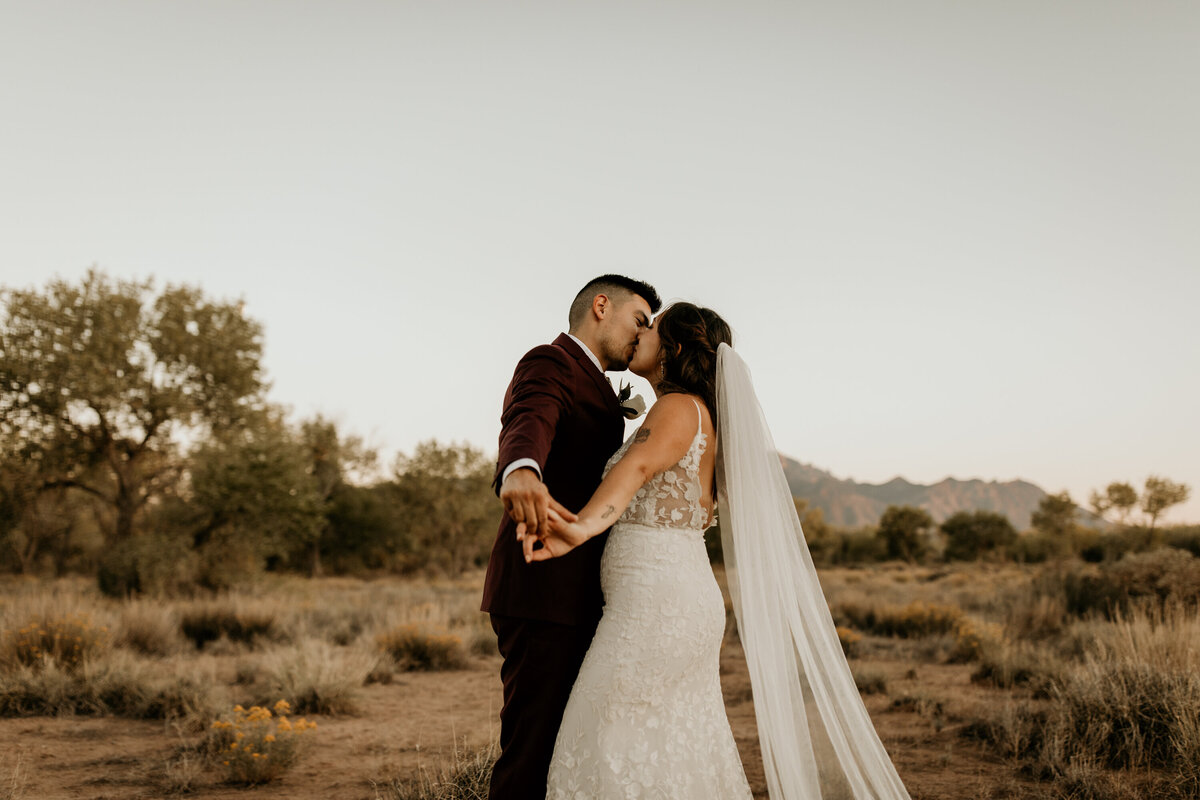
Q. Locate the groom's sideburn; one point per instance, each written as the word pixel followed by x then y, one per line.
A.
pixel 561 412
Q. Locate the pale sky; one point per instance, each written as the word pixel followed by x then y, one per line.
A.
pixel 953 239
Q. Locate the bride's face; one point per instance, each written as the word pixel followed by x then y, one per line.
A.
pixel 646 358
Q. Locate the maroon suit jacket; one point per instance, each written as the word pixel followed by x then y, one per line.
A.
pixel 560 411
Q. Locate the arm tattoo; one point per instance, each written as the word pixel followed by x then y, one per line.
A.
pixel 642 435
pixel 608 512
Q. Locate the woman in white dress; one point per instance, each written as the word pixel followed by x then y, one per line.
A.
pixel 646 718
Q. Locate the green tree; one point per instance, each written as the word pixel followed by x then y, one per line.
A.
pixel 98 378
pixel 1055 515
pixel 1160 494
pixel 971 534
pixel 446 506
pixel 254 499
pixel 332 458
pixel 1119 496
pixel 905 529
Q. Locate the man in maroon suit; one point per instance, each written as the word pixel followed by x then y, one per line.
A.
pixel 561 423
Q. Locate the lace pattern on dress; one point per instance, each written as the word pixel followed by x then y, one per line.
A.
pixel 671 499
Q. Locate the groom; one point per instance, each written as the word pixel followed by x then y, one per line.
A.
pixel 560 424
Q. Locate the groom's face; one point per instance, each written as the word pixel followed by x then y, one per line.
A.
pixel 621 328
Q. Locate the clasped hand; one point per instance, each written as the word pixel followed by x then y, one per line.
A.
pixel 559 536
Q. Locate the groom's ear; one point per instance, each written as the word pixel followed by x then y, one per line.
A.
pixel 601 305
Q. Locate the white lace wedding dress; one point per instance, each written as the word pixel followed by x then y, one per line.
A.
pixel 646 718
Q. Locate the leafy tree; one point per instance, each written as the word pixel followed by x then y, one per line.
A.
pixel 970 534
pixel 905 529
pixel 1055 515
pixel 254 498
pixel 97 378
pixel 331 458
pixel 1119 496
pixel 446 505
pixel 1160 494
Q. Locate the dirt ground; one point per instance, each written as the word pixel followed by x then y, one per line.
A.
pixel 418 720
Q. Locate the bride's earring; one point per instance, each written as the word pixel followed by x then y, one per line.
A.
pixel 662 369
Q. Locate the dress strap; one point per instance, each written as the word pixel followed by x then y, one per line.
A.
pixel 699 416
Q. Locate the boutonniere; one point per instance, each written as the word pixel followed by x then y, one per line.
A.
pixel 632 405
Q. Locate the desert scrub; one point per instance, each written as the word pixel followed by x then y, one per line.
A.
pixel 116 684
pixel 849 640
pixel 67 641
pixel 318 677
pixel 466 777
pixel 205 622
pixel 909 621
pixel 255 745
pixel 148 628
pixel 415 647
pixel 972 638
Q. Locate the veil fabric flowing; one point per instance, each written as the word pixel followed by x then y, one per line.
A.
pixel 817 740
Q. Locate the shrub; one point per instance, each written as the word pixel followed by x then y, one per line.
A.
pixel 148 628
pixel 1037 548
pixel 870 681
pixel 418 648
pixel 849 640
pixel 319 678
pixel 117 685
pixel 1005 665
pixel 256 746
pixel 206 622
pixel 970 640
pixel 970 535
pixel 67 641
pixel 912 620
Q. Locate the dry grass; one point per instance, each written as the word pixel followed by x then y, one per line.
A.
pixel 465 777
pixel 415 647
pixel 315 677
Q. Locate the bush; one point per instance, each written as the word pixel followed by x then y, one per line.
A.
pixel 1037 548
pixel 318 678
pixel 417 648
pixel 67 641
pixel 255 746
pixel 970 535
pixel 208 621
pixel 148 564
pixel 912 620
pixel 149 628
pixel 870 681
pixel 117 685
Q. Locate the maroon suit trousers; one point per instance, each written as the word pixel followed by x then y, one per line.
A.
pixel 541 660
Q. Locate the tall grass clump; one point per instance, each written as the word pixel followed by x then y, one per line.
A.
pixel 117 684
pixel 148 628
pixel 316 677
pixel 466 777
pixel 1131 705
pixel 417 647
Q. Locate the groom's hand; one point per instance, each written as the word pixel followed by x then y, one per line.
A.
pixel 527 500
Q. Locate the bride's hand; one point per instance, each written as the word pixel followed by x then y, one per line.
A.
pixel 558 537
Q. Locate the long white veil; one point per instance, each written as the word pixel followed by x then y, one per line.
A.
pixel 816 738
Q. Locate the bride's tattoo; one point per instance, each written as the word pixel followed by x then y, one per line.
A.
pixel 608 512
pixel 642 435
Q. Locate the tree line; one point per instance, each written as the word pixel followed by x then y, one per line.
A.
pixel 136 441
pixel 137 444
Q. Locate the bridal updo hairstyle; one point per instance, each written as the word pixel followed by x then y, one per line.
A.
pixel 689 335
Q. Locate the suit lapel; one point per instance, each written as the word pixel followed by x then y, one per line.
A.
pixel 602 385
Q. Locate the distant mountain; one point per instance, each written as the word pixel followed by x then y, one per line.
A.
pixel 847 503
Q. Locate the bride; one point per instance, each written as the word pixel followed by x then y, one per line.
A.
pixel 646 717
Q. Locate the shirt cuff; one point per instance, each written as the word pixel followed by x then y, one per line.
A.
pixel 520 463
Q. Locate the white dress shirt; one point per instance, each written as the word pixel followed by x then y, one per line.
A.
pixel 521 463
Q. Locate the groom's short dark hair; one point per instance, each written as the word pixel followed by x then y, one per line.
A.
pixel 618 287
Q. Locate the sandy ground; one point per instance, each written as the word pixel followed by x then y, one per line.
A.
pixel 418 720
